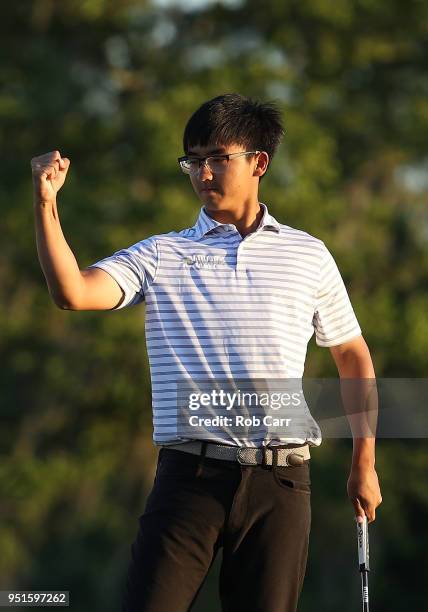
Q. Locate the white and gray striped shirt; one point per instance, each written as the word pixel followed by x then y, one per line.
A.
pixel 219 306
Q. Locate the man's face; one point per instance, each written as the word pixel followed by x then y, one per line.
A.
pixel 237 183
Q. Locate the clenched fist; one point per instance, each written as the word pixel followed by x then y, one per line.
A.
pixel 49 172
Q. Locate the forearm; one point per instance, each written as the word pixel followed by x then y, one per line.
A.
pixel 57 260
pixel 360 400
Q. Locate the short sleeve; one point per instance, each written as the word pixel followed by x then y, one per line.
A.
pixel 334 319
pixel 133 268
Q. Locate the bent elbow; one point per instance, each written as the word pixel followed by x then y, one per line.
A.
pixel 61 303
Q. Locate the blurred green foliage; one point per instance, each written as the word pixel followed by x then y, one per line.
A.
pixel 111 84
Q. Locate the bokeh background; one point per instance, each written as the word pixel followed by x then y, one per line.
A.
pixel 111 84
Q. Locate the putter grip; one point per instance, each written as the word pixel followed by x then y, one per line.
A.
pixel 363 545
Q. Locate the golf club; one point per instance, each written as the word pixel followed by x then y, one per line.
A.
pixel 363 559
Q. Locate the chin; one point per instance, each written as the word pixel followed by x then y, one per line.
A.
pixel 215 197
pixel 211 198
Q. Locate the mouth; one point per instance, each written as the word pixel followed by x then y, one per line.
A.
pixel 208 189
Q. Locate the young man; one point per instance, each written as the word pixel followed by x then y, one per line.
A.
pixel 236 297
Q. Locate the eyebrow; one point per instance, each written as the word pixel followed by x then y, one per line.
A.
pixel 222 150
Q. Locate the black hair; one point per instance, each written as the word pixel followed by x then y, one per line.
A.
pixel 235 119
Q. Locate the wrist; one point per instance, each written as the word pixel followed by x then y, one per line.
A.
pixel 39 204
pixel 363 453
pixel 363 463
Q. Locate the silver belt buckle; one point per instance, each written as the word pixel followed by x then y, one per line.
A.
pixel 294 460
pixel 239 457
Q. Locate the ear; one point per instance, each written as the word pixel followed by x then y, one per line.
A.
pixel 262 164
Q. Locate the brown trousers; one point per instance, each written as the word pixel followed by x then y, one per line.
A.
pixel 260 516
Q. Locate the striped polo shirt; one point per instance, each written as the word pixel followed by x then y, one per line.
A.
pixel 222 307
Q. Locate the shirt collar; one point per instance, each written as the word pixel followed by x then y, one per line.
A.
pixel 205 223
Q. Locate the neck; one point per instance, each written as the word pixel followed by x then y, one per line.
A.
pixel 245 217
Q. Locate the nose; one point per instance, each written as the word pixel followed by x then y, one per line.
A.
pixel 203 169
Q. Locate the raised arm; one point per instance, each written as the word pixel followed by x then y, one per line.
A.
pixel 69 287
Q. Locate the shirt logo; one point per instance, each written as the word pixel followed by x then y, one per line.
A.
pixel 205 261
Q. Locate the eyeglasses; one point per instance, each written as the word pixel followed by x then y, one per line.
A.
pixel 216 163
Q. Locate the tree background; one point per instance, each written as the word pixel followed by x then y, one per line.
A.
pixel 111 84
